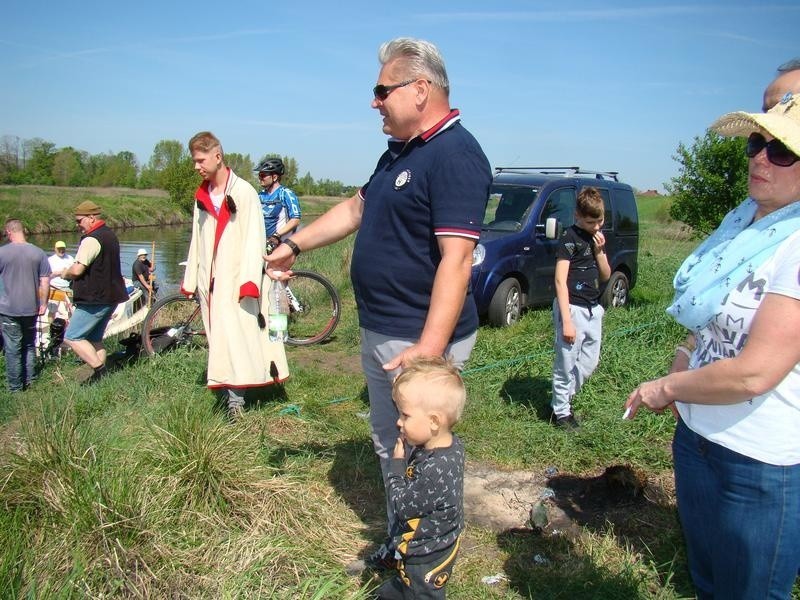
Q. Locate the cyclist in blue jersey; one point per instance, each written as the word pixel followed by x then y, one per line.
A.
pixel 279 204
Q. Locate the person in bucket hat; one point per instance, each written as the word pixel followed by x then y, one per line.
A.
pixel 142 273
pixel 735 381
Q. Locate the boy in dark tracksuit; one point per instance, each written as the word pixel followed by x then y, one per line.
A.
pixel 426 489
pixel 581 266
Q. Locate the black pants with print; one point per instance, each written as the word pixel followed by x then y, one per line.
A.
pixel 421 580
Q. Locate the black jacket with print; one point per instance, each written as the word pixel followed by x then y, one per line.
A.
pixel 427 495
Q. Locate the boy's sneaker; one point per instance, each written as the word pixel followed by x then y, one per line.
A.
pixel 568 423
pixel 380 561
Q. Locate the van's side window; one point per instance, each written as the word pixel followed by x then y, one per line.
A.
pixel 609 210
pixel 561 205
pixel 626 208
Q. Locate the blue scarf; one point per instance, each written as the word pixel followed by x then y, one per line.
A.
pixel 732 252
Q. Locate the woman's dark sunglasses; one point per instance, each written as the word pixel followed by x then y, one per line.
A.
pixel 777 152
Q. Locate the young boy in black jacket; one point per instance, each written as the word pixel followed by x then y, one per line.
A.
pixel 426 480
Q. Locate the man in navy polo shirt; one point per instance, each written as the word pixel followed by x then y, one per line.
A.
pixel 418 219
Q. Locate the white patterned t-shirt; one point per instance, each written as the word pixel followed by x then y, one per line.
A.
pixel 766 427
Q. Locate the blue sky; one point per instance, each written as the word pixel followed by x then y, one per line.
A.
pixel 603 85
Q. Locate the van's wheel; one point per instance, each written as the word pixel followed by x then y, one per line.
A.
pixel 616 292
pixel 506 304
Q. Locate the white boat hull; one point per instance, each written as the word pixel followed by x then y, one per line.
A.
pixel 127 316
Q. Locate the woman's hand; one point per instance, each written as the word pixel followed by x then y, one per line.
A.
pixel 652 394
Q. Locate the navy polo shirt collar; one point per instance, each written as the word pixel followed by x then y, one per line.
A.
pixel 396 145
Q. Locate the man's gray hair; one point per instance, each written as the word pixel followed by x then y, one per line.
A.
pixel 790 65
pixel 420 59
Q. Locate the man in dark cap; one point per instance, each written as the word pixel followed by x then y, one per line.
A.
pixel 97 287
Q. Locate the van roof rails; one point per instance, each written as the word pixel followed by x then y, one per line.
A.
pixel 564 171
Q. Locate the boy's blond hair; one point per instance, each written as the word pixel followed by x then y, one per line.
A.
pixel 445 391
pixel 205 141
pixel 590 203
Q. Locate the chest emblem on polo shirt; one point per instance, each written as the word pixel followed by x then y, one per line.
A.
pixel 402 179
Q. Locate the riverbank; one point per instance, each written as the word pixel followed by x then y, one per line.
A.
pixel 48 209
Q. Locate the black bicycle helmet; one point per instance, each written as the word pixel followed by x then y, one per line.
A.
pixel 270 165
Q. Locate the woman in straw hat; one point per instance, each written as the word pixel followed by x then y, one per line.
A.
pixel 735 383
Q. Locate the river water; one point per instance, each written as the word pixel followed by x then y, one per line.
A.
pixel 169 245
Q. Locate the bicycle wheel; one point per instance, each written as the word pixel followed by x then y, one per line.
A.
pixel 173 322
pixel 314 308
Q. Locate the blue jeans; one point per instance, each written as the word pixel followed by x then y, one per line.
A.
pixel 19 341
pixel 740 518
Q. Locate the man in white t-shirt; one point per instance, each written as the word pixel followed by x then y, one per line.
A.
pixel 59 261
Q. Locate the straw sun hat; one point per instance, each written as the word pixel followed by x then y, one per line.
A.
pixel 782 122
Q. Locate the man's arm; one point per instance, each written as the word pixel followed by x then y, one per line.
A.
pixel 336 224
pixel 292 207
pixel 88 250
pixel 447 299
pixel 44 293
pixel 143 280
pixel 288 227
pixel 74 271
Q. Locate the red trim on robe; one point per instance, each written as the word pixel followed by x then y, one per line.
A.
pixel 219 386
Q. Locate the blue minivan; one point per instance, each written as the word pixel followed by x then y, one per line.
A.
pixel 514 262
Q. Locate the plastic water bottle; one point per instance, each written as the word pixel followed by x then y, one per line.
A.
pixel 278 311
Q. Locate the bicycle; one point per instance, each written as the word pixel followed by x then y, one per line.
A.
pixel 314 310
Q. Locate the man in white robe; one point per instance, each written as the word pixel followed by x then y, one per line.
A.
pixel 226 273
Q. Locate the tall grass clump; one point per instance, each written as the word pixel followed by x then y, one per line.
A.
pixel 80 504
pixel 197 464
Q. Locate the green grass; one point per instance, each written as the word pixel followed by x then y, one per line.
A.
pixel 136 487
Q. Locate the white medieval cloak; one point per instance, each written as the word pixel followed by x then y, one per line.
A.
pixel 225 270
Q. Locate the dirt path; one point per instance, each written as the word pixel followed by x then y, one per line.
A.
pixel 547 502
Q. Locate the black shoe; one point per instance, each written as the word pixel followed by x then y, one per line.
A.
pixel 235 414
pixel 98 374
pixel 568 423
pixel 380 561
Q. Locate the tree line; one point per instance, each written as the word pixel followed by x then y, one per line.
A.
pixel 712 176
pixel 170 168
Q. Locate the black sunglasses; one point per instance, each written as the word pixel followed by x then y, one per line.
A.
pixel 381 92
pixel 777 152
